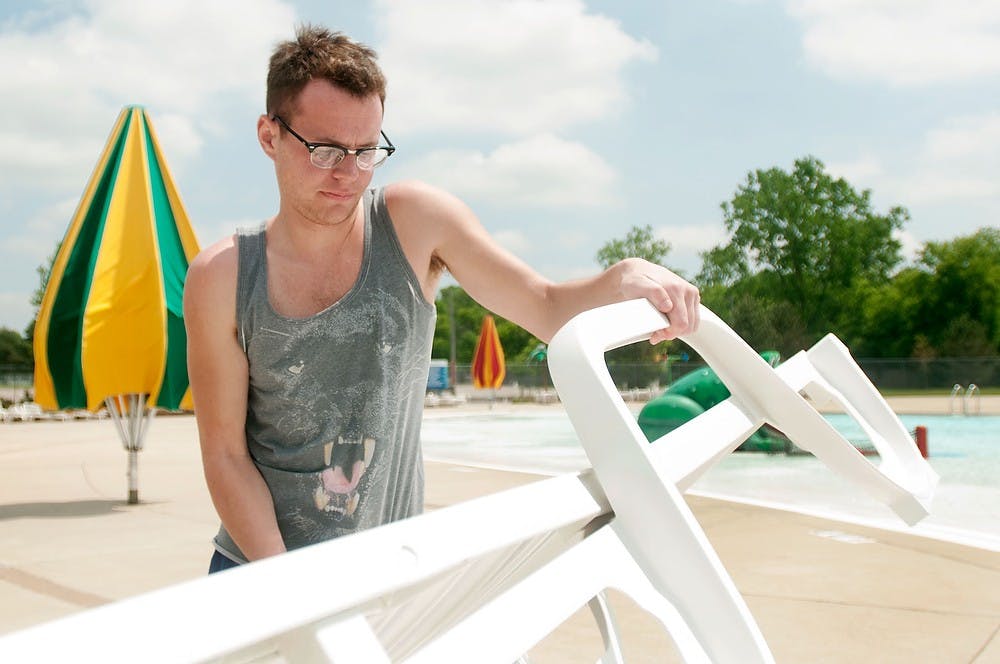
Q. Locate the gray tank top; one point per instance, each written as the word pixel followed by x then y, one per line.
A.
pixel 336 399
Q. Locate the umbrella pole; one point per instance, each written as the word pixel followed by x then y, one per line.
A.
pixel 131 418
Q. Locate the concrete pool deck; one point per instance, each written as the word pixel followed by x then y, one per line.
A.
pixel 820 590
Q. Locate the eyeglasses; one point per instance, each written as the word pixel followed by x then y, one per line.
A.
pixel 328 155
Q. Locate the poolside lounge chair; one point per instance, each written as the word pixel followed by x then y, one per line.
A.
pixel 470 583
pixel 28 411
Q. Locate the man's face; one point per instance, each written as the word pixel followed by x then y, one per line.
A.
pixel 323 113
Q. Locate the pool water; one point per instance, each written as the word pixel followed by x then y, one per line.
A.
pixel 964 451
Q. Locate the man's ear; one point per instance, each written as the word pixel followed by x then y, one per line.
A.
pixel 267 133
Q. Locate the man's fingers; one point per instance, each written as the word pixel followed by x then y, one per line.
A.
pixel 671 295
pixel 694 305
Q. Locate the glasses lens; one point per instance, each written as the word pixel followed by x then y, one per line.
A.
pixel 326 156
pixel 372 158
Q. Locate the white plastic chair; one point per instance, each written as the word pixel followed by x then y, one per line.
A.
pixel 484 580
pixel 28 411
pixel 643 481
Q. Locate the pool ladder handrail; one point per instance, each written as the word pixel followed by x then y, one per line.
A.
pixel 971 392
pixel 956 390
pixel 969 395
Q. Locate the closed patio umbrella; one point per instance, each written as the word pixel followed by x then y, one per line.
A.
pixel 110 329
pixel 488 366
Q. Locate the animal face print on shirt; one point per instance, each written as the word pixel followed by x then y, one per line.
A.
pixel 345 464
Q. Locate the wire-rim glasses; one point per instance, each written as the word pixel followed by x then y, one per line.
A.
pixel 328 155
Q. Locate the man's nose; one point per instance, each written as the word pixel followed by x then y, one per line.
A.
pixel 347 168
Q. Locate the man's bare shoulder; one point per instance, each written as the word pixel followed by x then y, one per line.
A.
pixel 217 258
pixel 410 200
pixel 211 277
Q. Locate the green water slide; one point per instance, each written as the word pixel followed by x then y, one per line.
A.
pixel 693 394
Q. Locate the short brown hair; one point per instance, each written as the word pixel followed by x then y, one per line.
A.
pixel 319 53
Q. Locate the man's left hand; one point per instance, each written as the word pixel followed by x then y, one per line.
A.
pixel 667 291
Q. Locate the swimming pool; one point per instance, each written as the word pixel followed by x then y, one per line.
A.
pixel 964 450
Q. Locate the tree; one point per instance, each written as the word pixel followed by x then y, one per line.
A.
pixel 963 293
pixel 14 349
pixel 893 317
pixel 43 271
pixel 965 336
pixel 947 305
pixel 814 240
pixel 768 325
pixel 639 242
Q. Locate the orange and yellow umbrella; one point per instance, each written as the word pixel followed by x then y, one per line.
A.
pixel 488 366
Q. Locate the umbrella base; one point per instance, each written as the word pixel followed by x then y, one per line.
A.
pixel 133 497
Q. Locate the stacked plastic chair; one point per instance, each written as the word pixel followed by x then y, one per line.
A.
pixel 487 579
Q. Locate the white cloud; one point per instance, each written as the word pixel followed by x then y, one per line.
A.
pixel 516 67
pixel 541 171
pixel 37 237
pixel 210 232
pixel 911 246
pixel 958 161
pixel 15 310
pixel 78 67
pixel 864 168
pixel 177 133
pixel 903 42
pixel 934 185
pixel 572 239
pixel 687 242
pixel 974 138
pixel 692 238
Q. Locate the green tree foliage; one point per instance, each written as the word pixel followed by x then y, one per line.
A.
pixel 516 341
pixel 890 315
pixel 43 271
pixel 947 305
pixel 768 324
pixel 965 283
pixel 804 240
pixel 639 242
pixel 14 349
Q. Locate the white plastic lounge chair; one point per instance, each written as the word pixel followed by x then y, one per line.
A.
pixel 28 411
pixel 485 580
pixel 643 481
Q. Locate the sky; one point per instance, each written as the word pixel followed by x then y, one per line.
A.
pixel 562 123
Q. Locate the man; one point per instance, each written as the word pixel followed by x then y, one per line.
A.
pixel 309 338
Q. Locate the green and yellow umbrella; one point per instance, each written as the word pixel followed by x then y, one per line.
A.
pixel 110 330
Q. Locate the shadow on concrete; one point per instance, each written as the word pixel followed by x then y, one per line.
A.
pixel 59 510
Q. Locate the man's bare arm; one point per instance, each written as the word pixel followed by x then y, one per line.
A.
pixel 506 285
pixel 219 376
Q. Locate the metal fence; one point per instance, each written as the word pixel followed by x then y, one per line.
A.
pixel 940 373
pixel 886 373
pixel 16 383
pixel 16 375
